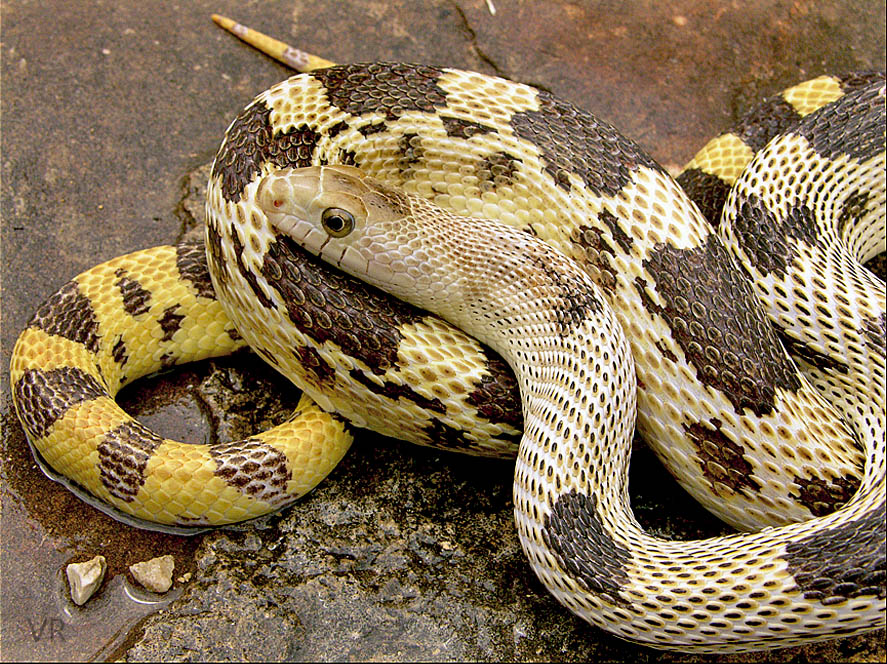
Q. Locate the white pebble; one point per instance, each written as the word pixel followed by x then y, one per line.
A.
pixel 85 578
pixel 154 574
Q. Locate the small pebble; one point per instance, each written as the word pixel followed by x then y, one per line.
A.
pixel 154 574
pixel 85 578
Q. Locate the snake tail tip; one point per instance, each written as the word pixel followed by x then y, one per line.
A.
pixel 280 51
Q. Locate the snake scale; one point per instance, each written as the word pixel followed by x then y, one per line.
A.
pixel 795 448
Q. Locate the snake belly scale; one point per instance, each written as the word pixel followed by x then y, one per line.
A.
pixel 728 412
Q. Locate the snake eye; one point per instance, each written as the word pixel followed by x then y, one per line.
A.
pixel 337 222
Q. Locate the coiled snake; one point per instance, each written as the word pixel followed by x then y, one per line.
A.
pixel 757 441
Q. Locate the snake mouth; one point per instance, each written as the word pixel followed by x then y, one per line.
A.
pixel 315 241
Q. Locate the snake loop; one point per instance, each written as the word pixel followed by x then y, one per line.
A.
pixel 584 237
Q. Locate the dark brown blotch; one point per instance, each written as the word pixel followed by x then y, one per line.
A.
pixel 497 170
pixel 770 242
pixel 800 350
pixel 854 208
pixel 584 549
pixel 571 140
pixel 444 436
pixel 464 129
pixel 577 301
pixel 123 457
pixel 371 128
pixel 247 274
pixel 396 392
pixel 860 79
pixel 823 497
pixel 852 125
pixel 136 299
pixel 708 191
pixel 348 157
pixel 336 129
pixel 390 89
pixel 215 257
pixel 849 560
pixel 311 361
pixel 252 141
pixel 170 322
pixel 597 253
pixel 254 468
pixel 496 396
pixel 874 330
pixel 43 397
pixel 715 319
pixel 721 459
pixel 168 360
pixel 599 250
pixel 68 313
pixel 192 265
pixel 118 351
pixel 328 305
pixel 411 151
pixel 770 118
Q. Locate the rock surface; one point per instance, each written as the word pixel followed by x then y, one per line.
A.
pixel 403 553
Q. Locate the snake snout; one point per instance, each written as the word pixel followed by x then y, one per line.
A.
pixel 289 191
pixel 288 199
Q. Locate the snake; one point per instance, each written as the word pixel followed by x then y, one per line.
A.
pixel 605 297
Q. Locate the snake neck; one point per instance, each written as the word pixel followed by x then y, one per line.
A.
pixel 549 321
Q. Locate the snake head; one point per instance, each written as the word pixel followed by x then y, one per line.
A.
pixel 347 219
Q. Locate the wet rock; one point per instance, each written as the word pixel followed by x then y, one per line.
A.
pixel 154 574
pixel 85 578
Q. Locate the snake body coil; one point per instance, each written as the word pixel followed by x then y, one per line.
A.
pixel 746 432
